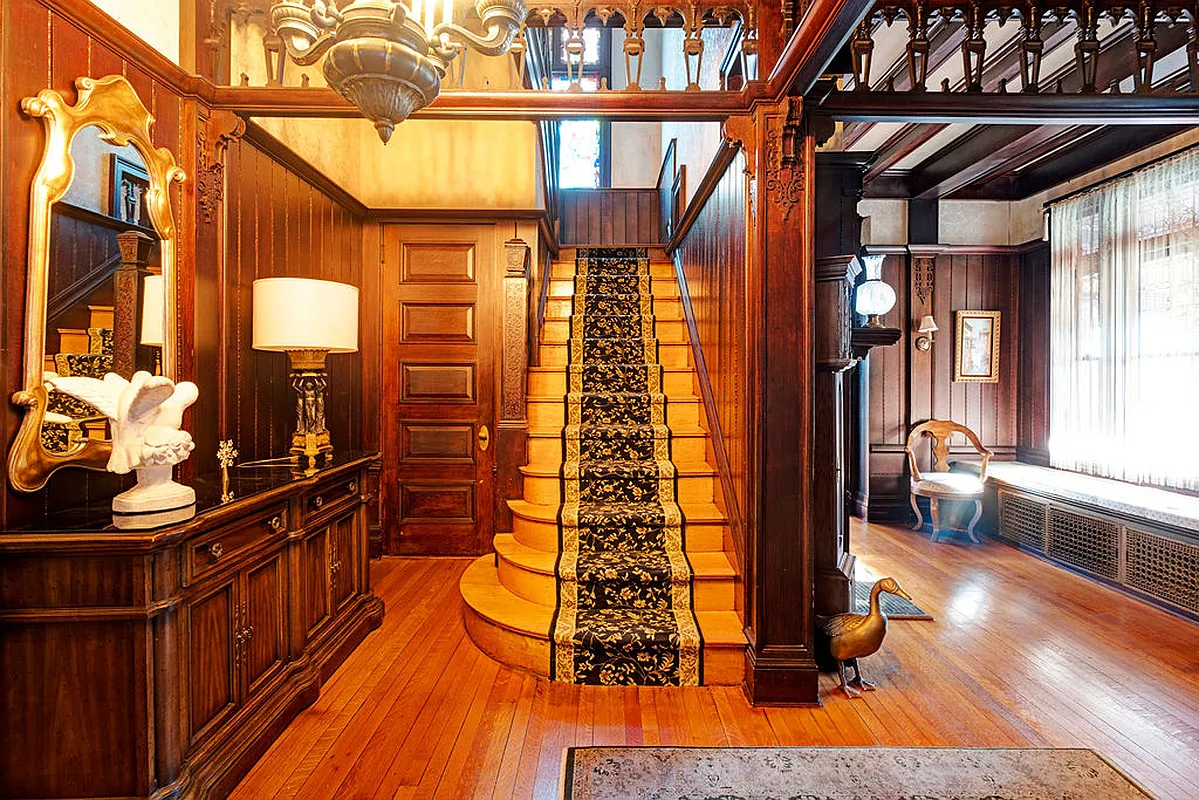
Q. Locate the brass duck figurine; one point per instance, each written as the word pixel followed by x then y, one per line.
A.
pixel 853 636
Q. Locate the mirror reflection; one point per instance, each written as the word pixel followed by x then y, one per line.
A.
pixel 104 305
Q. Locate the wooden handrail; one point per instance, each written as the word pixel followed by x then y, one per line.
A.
pixel 716 169
pixel 81 288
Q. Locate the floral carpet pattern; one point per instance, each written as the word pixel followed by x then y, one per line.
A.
pixel 625 612
pixel 841 773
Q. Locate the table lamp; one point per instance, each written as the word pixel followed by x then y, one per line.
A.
pixel 874 297
pixel 153 293
pixel 307 319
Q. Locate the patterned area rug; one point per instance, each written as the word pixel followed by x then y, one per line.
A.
pixel 841 773
pixel 624 614
pixel 894 606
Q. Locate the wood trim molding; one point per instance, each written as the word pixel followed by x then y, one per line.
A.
pixel 453 215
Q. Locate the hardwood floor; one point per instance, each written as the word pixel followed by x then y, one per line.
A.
pixel 1021 653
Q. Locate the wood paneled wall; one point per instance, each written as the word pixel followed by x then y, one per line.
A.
pixel 278 224
pixel 907 386
pixel 275 218
pixel 41 48
pixel 1032 444
pixel 713 279
pixel 609 217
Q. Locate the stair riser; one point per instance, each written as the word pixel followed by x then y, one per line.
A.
pixel 723 666
pixel 554 383
pixel 711 594
pixel 672 331
pixel 546 453
pixel 669 355
pixel 547 490
pixel 661 288
pixel 663 308
pixel 552 414
pixel 565 270
pixel 699 537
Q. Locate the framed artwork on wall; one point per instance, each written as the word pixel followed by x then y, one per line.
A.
pixel 976 352
pixel 130 182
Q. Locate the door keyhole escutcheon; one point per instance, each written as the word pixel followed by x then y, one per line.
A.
pixel 484 439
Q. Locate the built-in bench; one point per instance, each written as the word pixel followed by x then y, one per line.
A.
pixel 1142 539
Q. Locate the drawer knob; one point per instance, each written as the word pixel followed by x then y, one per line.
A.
pixel 216 550
pixel 352 486
pixel 276 523
pixel 318 501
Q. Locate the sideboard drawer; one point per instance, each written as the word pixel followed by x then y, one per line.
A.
pixel 330 495
pixel 211 552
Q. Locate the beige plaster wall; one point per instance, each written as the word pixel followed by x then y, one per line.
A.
pixel 154 21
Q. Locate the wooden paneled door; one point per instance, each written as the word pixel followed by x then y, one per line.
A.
pixel 440 325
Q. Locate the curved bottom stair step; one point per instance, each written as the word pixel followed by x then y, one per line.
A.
pixel 515 631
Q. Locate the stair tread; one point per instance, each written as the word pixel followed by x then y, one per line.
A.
pixel 692 512
pixel 482 590
pixel 705 565
pixel 672 398
pixel 684 469
pixel 675 432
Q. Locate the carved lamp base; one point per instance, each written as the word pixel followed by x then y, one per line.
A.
pixel 310 443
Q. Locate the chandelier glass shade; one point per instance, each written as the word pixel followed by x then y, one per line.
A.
pixel 385 57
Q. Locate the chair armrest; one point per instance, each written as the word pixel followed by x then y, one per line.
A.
pixel 982 473
pixel 916 476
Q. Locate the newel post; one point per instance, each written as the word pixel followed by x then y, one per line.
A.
pixel 135 248
pixel 512 429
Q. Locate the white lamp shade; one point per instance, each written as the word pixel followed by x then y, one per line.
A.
pixel 305 314
pixel 153 291
pixel 927 324
pixel 874 297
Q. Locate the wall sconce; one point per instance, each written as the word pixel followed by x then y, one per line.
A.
pixel 928 326
pixel 874 297
pixel 307 319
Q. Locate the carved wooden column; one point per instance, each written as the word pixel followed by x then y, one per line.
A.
pixel 780 663
pixel 135 248
pixel 512 430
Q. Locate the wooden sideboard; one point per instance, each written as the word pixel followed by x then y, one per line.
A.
pixel 163 663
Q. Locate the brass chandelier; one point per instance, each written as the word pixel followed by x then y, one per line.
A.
pixel 388 57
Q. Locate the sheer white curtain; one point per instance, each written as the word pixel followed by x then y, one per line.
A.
pixel 1124 383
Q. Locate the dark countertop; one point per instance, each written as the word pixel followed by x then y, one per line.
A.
pixel 251 487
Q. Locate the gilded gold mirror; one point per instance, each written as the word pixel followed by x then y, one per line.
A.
pixel 100 283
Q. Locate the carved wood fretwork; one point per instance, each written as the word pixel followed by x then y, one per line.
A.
pixel 923 277
pixel 784 170
pixel 212 141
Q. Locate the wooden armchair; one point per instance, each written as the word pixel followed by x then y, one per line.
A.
pixel 942 484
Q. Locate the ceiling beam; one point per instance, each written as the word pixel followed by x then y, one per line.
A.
pixel 822 31
pixel 1013 108
pixel 900 146
pixel 260 101
pixel 1107 146
pixel 975 155
pixel 1003 183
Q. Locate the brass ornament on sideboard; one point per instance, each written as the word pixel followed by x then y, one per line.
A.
pixel 112 107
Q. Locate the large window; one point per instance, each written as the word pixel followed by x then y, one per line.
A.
pixel 1124 384
pixel 584 160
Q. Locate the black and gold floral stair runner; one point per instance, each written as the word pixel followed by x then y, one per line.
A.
pixel 625 613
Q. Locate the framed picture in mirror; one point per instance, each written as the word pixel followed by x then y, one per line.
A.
pixel 130 184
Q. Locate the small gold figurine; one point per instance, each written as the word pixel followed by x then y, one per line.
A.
pixel 226 455
pixel 853 636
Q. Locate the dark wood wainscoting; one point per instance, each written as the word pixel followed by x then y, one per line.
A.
pixel 610 217
pixel 713 279
pixel 440 328
pixel 907 386
pixel 1032 415
pixel 278 224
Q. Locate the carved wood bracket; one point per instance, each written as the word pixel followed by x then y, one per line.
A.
pixel 923 277
pixel 213 140
pixel 784 162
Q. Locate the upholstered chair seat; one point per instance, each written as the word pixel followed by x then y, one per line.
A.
pixel 941 484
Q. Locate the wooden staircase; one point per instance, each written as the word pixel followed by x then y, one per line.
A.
pixel 511 595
